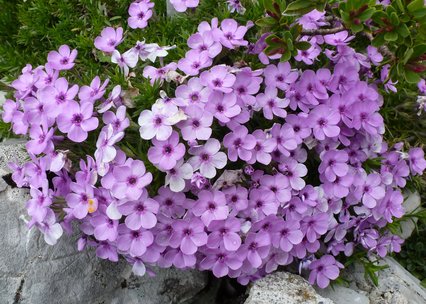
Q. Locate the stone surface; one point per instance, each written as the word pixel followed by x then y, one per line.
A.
pixel 12 150
pixel 343 295
pixel 396 285
pixel 412 202
pixel 284 288
pixel 32 272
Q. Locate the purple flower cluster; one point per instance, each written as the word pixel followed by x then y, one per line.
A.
pixel 233 145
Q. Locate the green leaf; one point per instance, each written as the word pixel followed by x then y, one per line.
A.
pixel 394 19
pixel 391 36
pixel 419 50
pixel 415 5
pixel 366 14
pixel 266 22
pixel 403 30
pixel 299 7
pixel 411 76
pixel 302 45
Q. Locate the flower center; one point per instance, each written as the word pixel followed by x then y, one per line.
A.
pixel 77 119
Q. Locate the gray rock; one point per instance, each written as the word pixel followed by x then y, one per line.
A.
pixel 284 288
pixel 32 272
pixel 12 150
pixel 396 285
pixel 412 202
pixel 343 295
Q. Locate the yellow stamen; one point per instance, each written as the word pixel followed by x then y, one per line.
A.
pixel 91 207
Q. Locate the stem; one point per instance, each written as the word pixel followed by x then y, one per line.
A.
pixel 323 31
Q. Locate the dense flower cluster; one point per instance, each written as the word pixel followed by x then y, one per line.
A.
pixel 261 168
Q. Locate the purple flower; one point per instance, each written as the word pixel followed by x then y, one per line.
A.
pixel 279 185
pixel 324 121
pixel 210 206
pixel 94 92
pixel 236 198
pixel 125 61
pixel 128 181
pixel 390 206
pixel 58 96
pixel 271 104
pixel 157 123
pixel 224 233
pixel 223 106
pixel 105 228
pixel 239 144
pixel 232 34
pixel 220 261
pixel 312 20
pixel 286 234
pixel 374 55
pixel 109 39
pixel 197 125
pixel 256 247
pixel 63 59
pixel 218 78
pixel 118 120
pixel 39 203
pixel 165 154
pixel 188 235
pixel 140 213
pixel 160 74
pixel 183 5
pixel 140 13
pixel 51 230
pixel 334 164
pixel 315 226
pixel 205 42
pixel 135 242
pixel 262 150
pixel 370 190
pixel 177 175
pixel 417 161
pixel 77 121
pixel 422 86
pixel 194 61
pixel 171 203
pixel 207 158
pixel 263 201
pixel 193 92
pixel 236 6
pixel 340 38
pixel 323 270
pixel 106 151
pixel 81 200
pixel 279 76
pixel 41 139
pixel 283 138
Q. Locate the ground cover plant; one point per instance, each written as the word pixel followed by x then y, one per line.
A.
pixel 236 137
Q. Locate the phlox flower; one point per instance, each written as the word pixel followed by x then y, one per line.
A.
pixel 279 76
pixel 262 150
pixel 197 125
pixel 183 5
pixel 340 38
pixel 41 139
pixel 106 151
pixel 51 230
pixel 63 59
pixel 117 120
pixel 239 144
pixel 207 158
pixel 158 74
pixel 334 164
pixel 205 43
pixel 221 261
pixel 324 121
pixel 272 104
pixel 128 181
pixel 140 213
pixel 134 242
pixel 109 39
pixel 210 206
pixel 177 176
pixel 194 61
pixel 223 106
pixel 94 92
pixel 38 205
pixel 256 247
pixel 77 121
pixel 81 200
pixel 324 270
pixel 157 122
pixel 232 35
pixel 417 160
pixel 283 138
pixel 140 13
pixel 224 233
pixel 165 154
pixel 125 61
pixel 218 78
pixel 188 235
pixel 286 234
